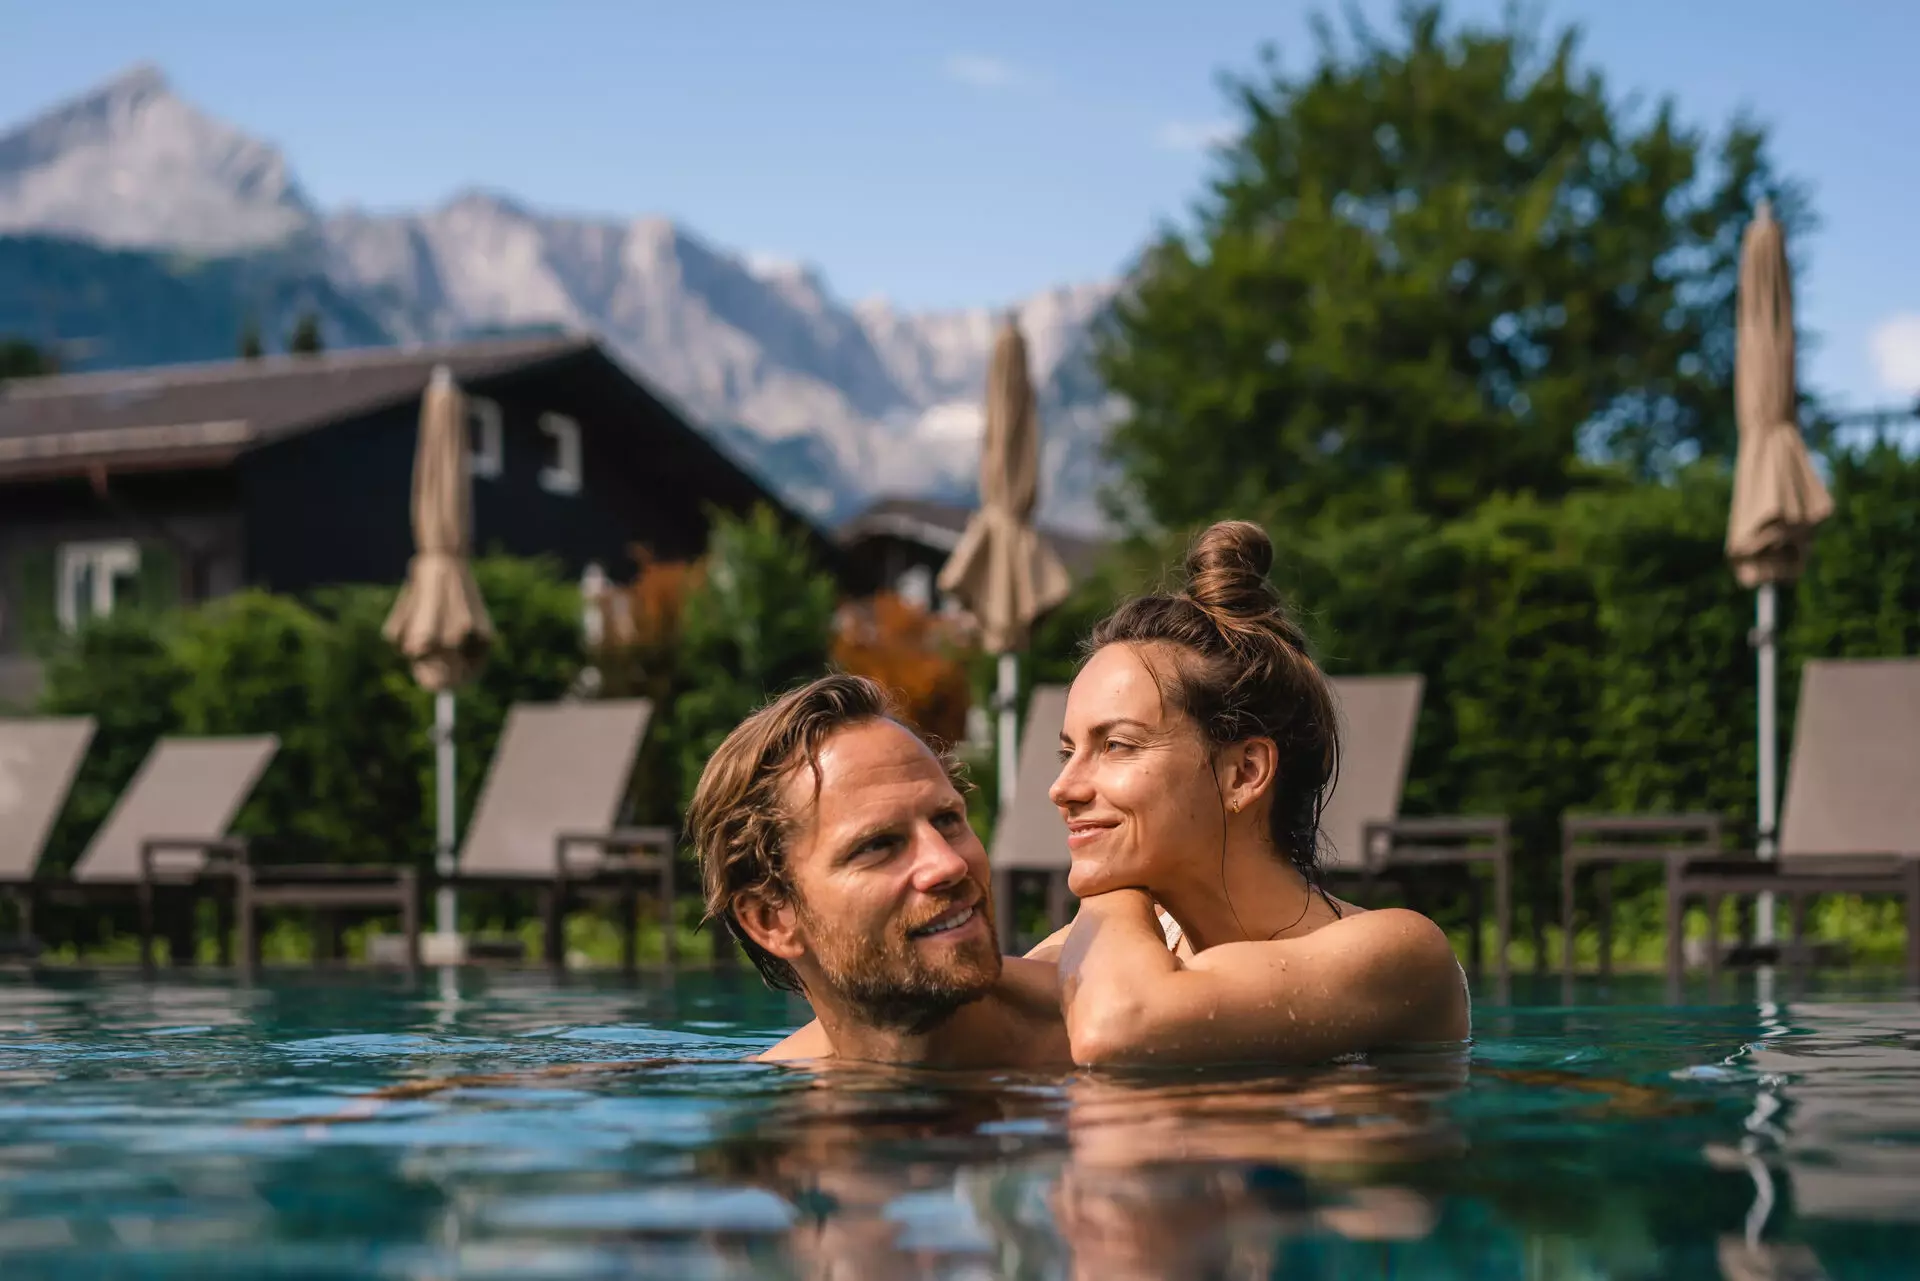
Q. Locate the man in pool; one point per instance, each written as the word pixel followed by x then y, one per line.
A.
pixel 834 844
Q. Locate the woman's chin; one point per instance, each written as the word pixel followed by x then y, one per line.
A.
pixel 1084 880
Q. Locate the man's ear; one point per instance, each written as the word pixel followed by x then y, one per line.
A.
pixel 770 921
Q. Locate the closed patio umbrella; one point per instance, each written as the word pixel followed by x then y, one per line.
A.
pixel 440 622
pixel 1002 570
pixel 1778 498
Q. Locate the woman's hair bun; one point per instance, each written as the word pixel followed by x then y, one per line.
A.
pixel 1227 571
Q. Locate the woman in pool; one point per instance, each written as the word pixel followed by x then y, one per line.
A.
pixel 1199 747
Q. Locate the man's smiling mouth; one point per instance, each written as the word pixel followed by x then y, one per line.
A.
pixel 946 924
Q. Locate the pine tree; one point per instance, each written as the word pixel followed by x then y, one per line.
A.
pixel 306 336
pixel 21 359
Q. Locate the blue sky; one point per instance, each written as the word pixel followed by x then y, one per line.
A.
pixel 953 154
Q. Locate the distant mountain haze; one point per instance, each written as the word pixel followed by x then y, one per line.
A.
pixel 135 229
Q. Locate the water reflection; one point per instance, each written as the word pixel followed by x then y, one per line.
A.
pixel 890 1173
pixel 1577 1141
pixel 1837 1113
pixel 1208 1178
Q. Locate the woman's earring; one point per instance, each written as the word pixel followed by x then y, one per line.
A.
pixel 1235 807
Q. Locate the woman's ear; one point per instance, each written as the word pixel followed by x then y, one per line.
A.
pixel 770 921
pixel 1247 771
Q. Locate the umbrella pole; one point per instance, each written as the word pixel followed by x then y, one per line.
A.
pixel 1765 604
pixel 1006 700
pixel 445 914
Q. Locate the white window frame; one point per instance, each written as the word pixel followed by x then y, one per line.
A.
pixel 915 587
pixel 109 560
pixel 487 437
pixel 563 477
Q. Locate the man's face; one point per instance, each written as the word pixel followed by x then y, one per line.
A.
pixel 890 907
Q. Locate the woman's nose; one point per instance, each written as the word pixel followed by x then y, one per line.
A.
pixel 1071 787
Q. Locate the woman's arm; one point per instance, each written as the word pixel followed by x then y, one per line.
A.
pixel 1373 980
pixel 1048 948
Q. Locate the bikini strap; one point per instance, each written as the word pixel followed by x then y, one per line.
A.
pixel 1170 928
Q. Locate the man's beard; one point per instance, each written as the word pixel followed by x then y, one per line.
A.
pixel 888 981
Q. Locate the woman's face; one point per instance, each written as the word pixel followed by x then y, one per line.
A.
pixel 1136 784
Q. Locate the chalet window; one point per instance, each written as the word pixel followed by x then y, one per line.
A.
pixel 916 587
pixel 90 577
pixel 561 475
pixel 487 437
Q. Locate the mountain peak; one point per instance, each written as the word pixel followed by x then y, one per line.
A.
pixel 485 201
pixel 133 86
pixel 130 164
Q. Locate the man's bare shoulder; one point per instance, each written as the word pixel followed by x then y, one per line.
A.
pixel 810 1042
pixel 1017 1025
pixel 1022 1018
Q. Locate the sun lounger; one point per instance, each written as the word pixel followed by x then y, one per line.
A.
pixel 1851 821
pixel 1598 844
pixel 39 759
pixel 168 834
pixel 547 818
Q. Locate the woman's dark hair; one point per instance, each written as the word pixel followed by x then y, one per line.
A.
pixel 1242 671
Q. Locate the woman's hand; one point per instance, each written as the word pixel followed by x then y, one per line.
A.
pixel 1114 955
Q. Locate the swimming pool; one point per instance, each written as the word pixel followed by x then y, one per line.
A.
pixel 190 1127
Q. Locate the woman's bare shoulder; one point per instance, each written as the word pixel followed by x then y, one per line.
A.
pixel 1395 932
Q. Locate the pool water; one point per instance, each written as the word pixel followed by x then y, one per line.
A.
pixel 197 1128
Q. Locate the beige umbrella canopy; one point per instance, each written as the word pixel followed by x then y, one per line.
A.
pixel 440 622
pixel 1778 498
pixel 1002 570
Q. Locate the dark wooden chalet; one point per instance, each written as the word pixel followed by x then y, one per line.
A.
pixel 182 483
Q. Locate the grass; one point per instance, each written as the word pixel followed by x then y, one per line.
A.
pixel 1871 931
pixel 592 940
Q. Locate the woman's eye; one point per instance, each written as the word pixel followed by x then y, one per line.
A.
pixel 1115 745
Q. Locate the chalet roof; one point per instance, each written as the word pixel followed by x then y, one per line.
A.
pixel 937 526
pixel 153 414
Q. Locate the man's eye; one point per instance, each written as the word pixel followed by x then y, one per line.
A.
pixel 951 821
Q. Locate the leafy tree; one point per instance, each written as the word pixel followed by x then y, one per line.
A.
pixel 759 621
pixel 1435 266
pixel 123 672
pixel 305 340
pixel 912 653
pixel 639 657
pixel 1673 722
pixel 250 345
pixel 1860 596
pixel 249 660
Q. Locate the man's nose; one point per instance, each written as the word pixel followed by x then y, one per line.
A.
pixel 936 864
